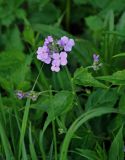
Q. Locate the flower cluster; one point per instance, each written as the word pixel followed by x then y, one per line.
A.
pixel 31 94
pixel 55 52
pixel 96 65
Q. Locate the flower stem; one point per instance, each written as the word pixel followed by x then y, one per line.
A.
pixel 37 78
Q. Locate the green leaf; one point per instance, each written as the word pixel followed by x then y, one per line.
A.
pixel 117 147
pixel 119 55
pixel 48 14
pixel 122 103
pixel 102 98
pixel 95 23
pixel 28 35
pixel 13 41
pixel 117 78
pixel 11 62
pixel 57 105
pixel 31 146
pixel 84 78
pixel 6 144
pixel 96 3
pixel 121 24
pixel 48 29
pixel 80 2
pixel 79 122
pixel 86 153
pixel 60 104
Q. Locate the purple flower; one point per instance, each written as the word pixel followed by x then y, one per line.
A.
pixel 63 41
pixel 66 43
pixel 95 58
pixel 43 54
pixel 96 64
pixel 60 59
pixel 56 56
pixel 55 52
pixel 55 68
pixel 30 94
pixel 48 40
pixel 20 94
pixel 56 62
pixel 63 58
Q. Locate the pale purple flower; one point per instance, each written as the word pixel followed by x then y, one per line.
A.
pixel 60 59
pixel 56 62
pixel 66 43
pixel 95 58
pixel 63 54
pixel 56 56
pixel 63 58
pixel 43 54
pixel 63 41
pixel 55 68
pixel 48 40
pixel 55 52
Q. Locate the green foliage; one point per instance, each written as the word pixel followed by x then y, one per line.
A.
pixel 116 149
pixel 117 78
pixel 80 112
pixel 83 77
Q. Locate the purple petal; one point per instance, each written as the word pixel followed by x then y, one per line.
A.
pixel 64 39
pixel 95 58
pixel 56 56
pixel 50 38
pixel 56 62
pixel 71 42
pixel 48 60
pixel 67 48
pixel 63 55
pixel 63 61
pixel 55 68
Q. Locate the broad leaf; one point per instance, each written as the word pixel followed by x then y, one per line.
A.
pixel 102 98
pixel 84 78
pixel 117 78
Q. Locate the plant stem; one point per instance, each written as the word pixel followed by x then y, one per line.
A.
pixel 54 139
pixel 25 118
pixel 37 78
pixel 53 128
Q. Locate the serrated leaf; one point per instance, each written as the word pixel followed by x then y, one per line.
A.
pixel 84 78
